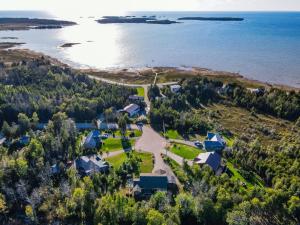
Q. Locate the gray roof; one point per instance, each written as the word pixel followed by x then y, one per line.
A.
pixel 131 108
pixel 212 159
pixel 90 164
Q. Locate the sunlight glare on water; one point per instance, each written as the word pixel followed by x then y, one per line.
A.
pixel 99 48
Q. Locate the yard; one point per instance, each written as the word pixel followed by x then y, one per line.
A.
pixel 115 144
pixel 137 133
pixel 173 134
pixel 185 151
pixel 146 164
pixel 141 91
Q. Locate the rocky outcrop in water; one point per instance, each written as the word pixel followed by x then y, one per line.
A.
pixel 132 19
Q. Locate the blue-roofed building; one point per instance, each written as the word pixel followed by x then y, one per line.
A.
pixel 214 142
pixel 24 140
pixel 211 159
pixel 88 165
pixel 55 169
pixel 93 140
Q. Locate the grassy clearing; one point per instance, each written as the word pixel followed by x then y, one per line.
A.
pixel 137 133
pixel 185 151
pixel 141 91
pixel 173 134
pixel 146 164
pixel 250 182
pixel 117 160
pixel 115 144
pixel 229 141
pixel 147 161
pixel 269 130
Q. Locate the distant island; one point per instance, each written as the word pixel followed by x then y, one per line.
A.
pixel 132 19
pixel 68 45
pixel 27 23
pixel 212 18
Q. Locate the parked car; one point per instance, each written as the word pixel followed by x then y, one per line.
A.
pixel 104 136
pixel 198 144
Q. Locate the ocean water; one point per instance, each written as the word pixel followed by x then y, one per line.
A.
pixel 265 46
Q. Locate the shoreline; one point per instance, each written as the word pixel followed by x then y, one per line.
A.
pixel 145 75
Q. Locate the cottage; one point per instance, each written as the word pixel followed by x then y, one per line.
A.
pixel 175 88
pixel 211 159
pixel 256 90
pixel 93 140
pixel 149 183
pixel 88 165
pixel 214 142
pixel 132 109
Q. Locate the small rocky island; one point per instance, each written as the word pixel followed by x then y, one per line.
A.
pixel 132 19
pixel 212 18
pixel 28 23
pixel 68 45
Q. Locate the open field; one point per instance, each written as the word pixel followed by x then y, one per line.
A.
pixel 185 151
pixel 242 123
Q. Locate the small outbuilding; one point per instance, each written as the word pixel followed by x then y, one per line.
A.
pixel 175 88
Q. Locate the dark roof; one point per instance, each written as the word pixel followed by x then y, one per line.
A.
pixel 153 181
pixel 212 159
pixel 212 144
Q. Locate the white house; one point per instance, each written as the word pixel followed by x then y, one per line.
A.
pixel 132 109
pixel 175 88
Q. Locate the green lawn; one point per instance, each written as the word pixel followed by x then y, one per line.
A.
pixel 185 151
pixel 141 91
pixel 173 134
pixel 117 160
pixel 137 133
pixel 146 164
pixel 236 175
pixel 115 144
pixel 147 161
pixel 229 141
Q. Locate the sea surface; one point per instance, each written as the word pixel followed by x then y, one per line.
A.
pixel 265 46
